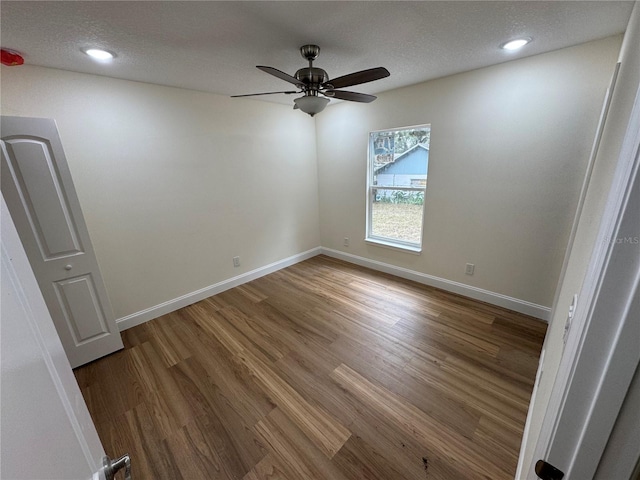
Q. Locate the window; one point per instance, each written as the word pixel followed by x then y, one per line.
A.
pixel 396 186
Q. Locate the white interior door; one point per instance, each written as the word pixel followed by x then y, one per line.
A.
pixel 47 432
pixel 38 189
pixel 586 422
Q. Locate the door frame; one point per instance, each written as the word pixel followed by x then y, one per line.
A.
pixel 587 370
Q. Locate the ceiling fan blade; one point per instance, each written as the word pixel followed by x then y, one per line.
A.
pixel 265 93
pixel 351 96
pixel 357 78
pixel 281 75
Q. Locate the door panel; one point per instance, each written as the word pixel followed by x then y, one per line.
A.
pixel 36 177
pixel 39 191
pixel 81 308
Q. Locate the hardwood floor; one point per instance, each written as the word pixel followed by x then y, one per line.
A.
pixel 323 370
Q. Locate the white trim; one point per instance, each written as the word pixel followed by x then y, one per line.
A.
pixel 398 187
pixel 416 250
pixel 493 298
pixel 193 297
pixel 527 424
pixel 398 129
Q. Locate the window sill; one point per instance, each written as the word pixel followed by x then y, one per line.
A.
pixel 394 246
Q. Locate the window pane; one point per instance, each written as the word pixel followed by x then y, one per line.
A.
pixel 401 157
pixel 397 215
pixel 398 158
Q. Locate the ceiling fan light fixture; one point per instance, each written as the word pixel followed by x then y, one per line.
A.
pixel 516 43
pixel 311 104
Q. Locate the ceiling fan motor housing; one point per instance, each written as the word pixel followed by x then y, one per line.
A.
pixel 312 77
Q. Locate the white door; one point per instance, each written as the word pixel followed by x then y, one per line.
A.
pixel 601 373
pixel 47 431
pixel 585 426
pixel 38 189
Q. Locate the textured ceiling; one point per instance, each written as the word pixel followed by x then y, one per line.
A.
pixel 215 46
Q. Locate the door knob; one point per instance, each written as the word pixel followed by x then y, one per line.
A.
pixel 111 467
pixel 68 267
pixel 546 471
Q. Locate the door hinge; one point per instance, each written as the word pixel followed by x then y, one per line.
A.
pixel 546 471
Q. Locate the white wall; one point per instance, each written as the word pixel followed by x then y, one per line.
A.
pixel 588 224
pixel 509 147
pixel 173 183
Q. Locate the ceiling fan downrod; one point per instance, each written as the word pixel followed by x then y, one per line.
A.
pixel 312 77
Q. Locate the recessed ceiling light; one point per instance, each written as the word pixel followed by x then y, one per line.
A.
pixel 516 44
pixel 99 54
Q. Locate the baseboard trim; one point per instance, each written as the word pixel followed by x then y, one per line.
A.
pixel 493 298
pixel 193 297
pixel 522 306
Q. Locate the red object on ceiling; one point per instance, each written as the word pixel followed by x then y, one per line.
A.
pixel 11 58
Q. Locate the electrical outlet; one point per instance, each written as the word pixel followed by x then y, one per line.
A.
pixel 469 269
pixel 345 242
pixel 236 261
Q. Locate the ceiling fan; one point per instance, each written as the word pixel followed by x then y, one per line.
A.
pixel 313 82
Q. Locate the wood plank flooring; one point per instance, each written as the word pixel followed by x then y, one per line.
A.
pixel 323 370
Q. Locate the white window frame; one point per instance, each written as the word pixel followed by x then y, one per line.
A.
pixel 384 241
